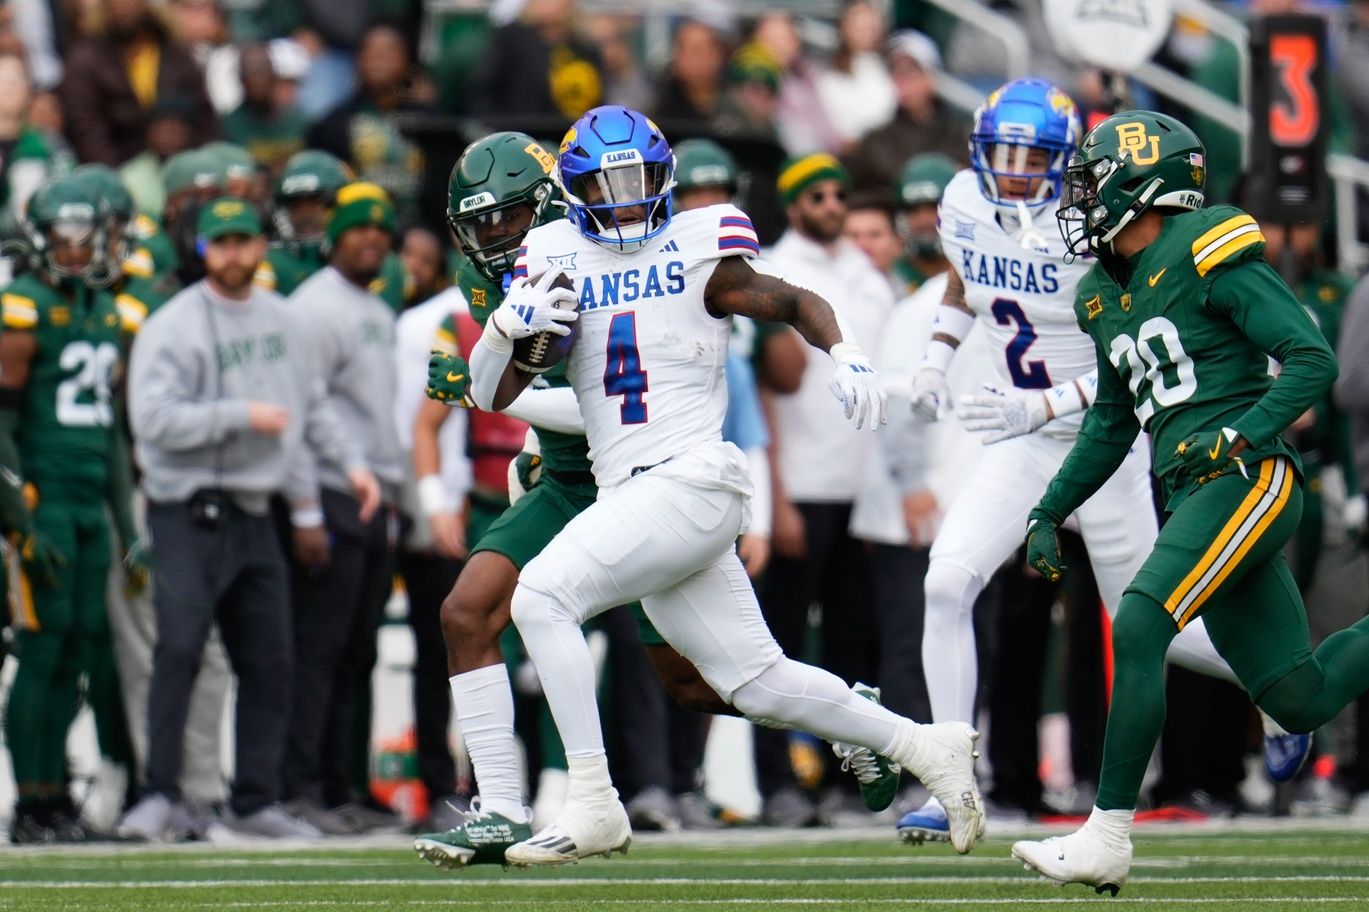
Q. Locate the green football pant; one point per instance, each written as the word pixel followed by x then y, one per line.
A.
pixel 58 628
pixel 1220 556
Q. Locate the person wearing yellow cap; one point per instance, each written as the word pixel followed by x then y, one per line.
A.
pixel 817 472
pixel 342 574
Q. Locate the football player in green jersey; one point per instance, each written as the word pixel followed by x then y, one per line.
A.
pixel 62 458
pixel 135 296
pixel 1185 314
pixel 305 196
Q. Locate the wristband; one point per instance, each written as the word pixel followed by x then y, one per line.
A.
pixel 952 322
pixel 306 517
pixel 432 495
pixel 938 356
pixel 495 340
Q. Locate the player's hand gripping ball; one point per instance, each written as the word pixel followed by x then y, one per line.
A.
pixel 1043 547
pixel 539 315
pixel 449 379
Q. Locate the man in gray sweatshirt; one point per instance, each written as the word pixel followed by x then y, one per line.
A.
pixel 227 408
pixel 340 591
pixel 1352 387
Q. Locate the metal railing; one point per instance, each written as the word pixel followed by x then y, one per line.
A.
pixel 976 15
pixel 1349 176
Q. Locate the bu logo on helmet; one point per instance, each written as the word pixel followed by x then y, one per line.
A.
pixel 1132 139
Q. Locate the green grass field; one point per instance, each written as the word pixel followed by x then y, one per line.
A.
pixel 1216 868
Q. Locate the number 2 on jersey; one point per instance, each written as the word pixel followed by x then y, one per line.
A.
pixel 623 374
pixel 1025 374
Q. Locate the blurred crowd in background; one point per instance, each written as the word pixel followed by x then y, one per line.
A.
pixel 285 103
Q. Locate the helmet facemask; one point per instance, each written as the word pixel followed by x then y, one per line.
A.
pixel 491 238
pixel 55 246
pixel 624 205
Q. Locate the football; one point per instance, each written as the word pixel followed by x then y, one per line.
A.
pixel 539 353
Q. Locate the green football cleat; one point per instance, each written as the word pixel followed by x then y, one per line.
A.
pixel 482 839
pixel 878 777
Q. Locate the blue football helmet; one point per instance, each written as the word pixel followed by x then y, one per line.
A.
pixel 1019 117
pixel 616 171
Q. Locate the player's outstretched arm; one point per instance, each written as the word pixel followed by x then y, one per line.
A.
pixel 737 288
pixel 1109 430
pixel 1011 412
pixel 953 322
pixel 1260 304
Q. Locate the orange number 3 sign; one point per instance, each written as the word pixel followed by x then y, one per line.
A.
pixel 1294 122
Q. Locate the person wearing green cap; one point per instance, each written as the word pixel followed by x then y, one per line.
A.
pixel 227 409
pixel 189 178
pixel 343 586
pixel 239 174
pixel 917 194
pixel 705 174
pixel 60 462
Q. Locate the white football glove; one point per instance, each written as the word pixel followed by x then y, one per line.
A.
pixel 530 309
pixel 1005 413
pixel 931 395
pixel 857 385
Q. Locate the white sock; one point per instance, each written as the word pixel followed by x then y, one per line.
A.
pixel 484 714
pixel 552 636
pixel 589 779
pixel 1115 826
pixel 790 694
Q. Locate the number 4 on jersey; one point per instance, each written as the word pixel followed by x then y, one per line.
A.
pixel 623 374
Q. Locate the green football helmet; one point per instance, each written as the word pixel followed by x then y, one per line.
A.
pixel 116 205
pixel 63 217
pixel 1129 163
pixel 704 163
pixel 923 179
pixel 310 173
pixel 500 188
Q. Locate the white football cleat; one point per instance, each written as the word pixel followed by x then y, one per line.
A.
pixel 579 831
pixel 1081 857
pixel 942 756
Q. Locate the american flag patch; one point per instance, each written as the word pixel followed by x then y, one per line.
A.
pixel 520 265
pixel 735 232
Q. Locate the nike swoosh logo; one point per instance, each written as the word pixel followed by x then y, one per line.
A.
pixel 1216 449
pixel 1155 278
pixel 453 377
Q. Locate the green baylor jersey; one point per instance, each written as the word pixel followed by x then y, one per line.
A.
pixel 560 452
pixel 1186 359
pixel 67 418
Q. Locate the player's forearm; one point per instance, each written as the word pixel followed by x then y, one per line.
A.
pixel 119 487
pixel 752 289
pixel 554 409
pixel 1103 444
pixel 495 383
pixel 427 454
pixel 1302 381
pixel 14 512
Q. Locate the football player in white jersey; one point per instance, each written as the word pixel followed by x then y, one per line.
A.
pixel 1013 277
pixel 654 294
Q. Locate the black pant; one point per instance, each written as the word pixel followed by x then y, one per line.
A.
pixel 897 573
pixel 636 709
pixel 428 579
pixel 233 574
pixel 835 574
pixel 337 611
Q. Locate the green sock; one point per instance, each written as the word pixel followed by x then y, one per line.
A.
pixel 1313 693
pixel 1141 634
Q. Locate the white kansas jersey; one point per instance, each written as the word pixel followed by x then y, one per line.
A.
pixel 1023 296
pixel 647 365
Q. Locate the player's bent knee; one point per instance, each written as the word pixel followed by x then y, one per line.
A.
pixel 1295 700
pixel 950 589
pixel 684 683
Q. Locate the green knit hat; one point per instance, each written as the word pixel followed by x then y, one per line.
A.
pixel 799 173
pixel 228 215
pixel 237 163
pixel 360 204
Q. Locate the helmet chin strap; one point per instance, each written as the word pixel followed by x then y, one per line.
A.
pixel 1135 209
pixel 1028 235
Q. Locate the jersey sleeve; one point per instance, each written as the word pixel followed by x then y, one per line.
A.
pixel 140 264
pixel 1257 301
pixel 18 312
pixel 444 340
pixel 1228 236
pixel 1109 430
pixel 734 235
pixel 265 276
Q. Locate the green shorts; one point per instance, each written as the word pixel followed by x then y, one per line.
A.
pixel 1220 556
pixel 526 528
